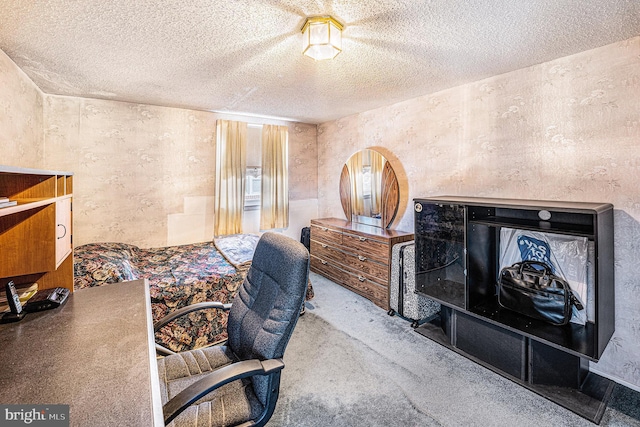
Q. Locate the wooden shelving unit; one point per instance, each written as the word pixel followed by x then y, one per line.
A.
pixel 36 234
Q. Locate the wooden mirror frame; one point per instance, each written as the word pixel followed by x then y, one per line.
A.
pixel 390 199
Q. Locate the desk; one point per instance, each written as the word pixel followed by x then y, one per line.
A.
pixel 96 353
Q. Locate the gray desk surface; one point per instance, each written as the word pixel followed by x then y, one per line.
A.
pixel 96 353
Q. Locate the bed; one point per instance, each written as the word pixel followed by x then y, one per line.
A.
pixel 177 276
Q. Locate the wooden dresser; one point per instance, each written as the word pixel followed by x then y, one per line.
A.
pixel 356 256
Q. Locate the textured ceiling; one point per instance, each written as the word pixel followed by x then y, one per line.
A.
pixel 244 56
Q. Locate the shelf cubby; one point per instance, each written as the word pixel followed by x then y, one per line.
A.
pixel 35 234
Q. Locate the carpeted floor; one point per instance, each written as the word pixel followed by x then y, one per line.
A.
pixel 350 364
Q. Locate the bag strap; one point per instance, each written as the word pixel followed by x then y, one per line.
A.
pixel 530 264
pixel 575 301
pixel 547 272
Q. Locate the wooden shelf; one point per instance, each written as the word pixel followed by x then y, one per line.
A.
pixel 25 205
pixel 35 234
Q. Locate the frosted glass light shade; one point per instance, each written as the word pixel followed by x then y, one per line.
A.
pixel 322 38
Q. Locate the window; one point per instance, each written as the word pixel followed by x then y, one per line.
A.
pixel 252 188
pixel 254 167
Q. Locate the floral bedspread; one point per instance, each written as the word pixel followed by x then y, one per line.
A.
pixel 177 276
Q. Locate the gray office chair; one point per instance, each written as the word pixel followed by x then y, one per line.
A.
pixel 238 383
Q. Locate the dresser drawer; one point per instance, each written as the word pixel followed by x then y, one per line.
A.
pixel 344 256
pixel 326 234
pixel 367 246
pixel 360 284
pixel 355 255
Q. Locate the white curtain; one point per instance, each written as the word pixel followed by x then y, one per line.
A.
pixel 231 165
pixel 274 205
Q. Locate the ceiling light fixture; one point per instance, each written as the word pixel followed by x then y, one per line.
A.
pixel 322 37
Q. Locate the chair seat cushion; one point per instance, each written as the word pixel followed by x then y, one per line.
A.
pixel 229 405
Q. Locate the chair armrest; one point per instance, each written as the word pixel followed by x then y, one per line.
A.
pixel 216 379
pixel 163 351
pixel 188 309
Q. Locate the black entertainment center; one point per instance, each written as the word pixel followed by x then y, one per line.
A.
pixel 457 264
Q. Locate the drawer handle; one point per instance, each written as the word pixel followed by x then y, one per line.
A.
pixel 362 239
pixel 361 278
pixel 64 229
pixel 323 262
pixel 324 229
pixel 362 258
pixel 323 245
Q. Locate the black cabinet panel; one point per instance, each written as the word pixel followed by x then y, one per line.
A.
pixel 496 346
pixel 440 254
pixel 457 263
pixel 550 366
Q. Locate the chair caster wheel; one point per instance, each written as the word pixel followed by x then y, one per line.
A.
pixel 391 312
pixel 415 324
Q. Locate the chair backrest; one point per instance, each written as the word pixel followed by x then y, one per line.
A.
pixel 268 303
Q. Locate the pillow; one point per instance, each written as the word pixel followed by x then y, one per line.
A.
pixel 97 264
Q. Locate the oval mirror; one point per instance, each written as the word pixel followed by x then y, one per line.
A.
pixel 369 190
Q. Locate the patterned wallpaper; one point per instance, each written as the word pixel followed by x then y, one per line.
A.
pixel 303 162
pixel 20 117
pixel 563 130
pixel 134 165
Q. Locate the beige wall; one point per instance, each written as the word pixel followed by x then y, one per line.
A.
pixel 20 117
pixel 136 165
pixel 567 130
pixel 142 174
